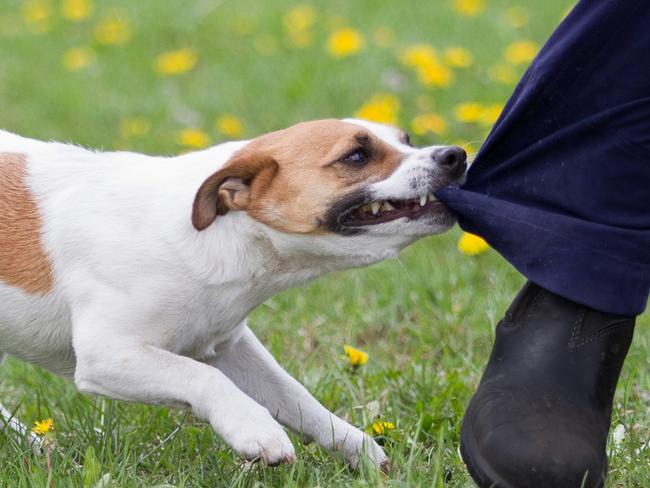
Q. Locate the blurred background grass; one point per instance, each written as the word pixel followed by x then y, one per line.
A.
pixel 165 77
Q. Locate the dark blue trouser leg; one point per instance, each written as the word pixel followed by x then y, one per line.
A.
pixel 561 187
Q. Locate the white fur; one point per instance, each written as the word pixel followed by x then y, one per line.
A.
pixel 147 309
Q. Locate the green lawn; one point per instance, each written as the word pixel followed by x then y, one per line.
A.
pixel 92 74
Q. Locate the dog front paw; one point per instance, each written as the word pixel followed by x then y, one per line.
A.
pixel 359 447
pixel 260 438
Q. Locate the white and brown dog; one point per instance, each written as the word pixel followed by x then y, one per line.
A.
pixel 134 274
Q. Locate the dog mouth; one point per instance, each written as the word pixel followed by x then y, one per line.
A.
pixel 382 211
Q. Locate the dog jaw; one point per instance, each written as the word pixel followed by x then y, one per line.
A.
pixel 311 189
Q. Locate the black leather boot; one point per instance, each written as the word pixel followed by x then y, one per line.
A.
pixel 542 411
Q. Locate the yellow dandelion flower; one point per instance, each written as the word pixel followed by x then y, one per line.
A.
pixel 469 8
pixel 472 245
pixel 503 73
pixel 230 125
pixel 381 107
pixel 194 138
pixel 176 62
pixel 298 22
pixel 521 52
pixel 345 42
pixel 384 36
pixel 300 17
pixel 469 112
pixel 430 70
pixel 356 357
pixel 42 427
pixel 381 427
pixel 133 127
pixel 516 17
pixel 429 122
pixel 435 75
pixel 458 57
pixel 491 114
pixel 114 29
pixel 418 55
pixel 78 58
pixel 37 14
pixel 77 10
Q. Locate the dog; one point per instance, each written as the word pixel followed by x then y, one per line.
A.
pixel 134 274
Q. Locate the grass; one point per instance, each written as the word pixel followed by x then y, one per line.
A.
pixel 426 320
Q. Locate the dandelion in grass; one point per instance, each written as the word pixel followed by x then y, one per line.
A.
pixel 425 61
pixel 458 57
pixel 436 75
pixel 469 112
pixel 469 8
pixel 345 42
pixel 382 107
pixel 503 73
pixel 472 245
pixel 78 58
pixel 43 427
pixel 521 52
pixel 193 138
pixel 429 122
pixel 37 14
pixel 491 114
pixel 230 125
pixel 419 55
pixel 77 10
pixel 356 357
pixel 176 62
pixel 382 427
pixel 300 17
pixel 516 17
pixel 134 127
pixel 114 29
pixel 298 22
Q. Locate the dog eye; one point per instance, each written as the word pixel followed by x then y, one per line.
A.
pixel 356 158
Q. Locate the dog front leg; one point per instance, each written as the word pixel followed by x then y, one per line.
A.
pixel 252 368
pixel 116 366
pixel 11 422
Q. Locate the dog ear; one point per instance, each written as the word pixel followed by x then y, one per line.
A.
pixel 231 187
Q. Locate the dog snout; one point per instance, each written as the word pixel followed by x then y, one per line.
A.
pixel 452 158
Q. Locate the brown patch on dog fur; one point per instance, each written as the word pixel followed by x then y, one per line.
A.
pixel 294 176
pixel 23 262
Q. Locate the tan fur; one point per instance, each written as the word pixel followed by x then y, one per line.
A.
pixel 293 194
pixel 23 262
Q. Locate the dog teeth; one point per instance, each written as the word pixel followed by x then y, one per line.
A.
pixel 375 206
pixel 423 200
pixel 432 198
pixel 366 208
pixel 387 207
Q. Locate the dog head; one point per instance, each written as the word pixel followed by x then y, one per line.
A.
pixel 336 179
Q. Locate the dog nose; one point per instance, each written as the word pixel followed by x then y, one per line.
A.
pixel 453 158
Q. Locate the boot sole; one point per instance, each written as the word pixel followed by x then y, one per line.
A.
pixel 479 470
